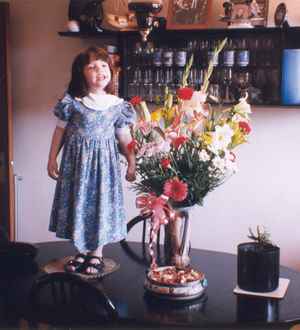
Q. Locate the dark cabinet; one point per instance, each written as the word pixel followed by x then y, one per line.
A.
pixel 252 61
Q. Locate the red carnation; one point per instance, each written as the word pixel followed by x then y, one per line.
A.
pixel 176 189
pixel 165 163
pixel 131 146
pixel 177 142
pixel 135 100
pixel 245 127
pixel 185 93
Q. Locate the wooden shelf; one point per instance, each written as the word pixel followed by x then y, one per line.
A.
pixel 255 30
pixel 96 34
pixel 88 34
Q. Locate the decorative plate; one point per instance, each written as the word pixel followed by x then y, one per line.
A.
pixel 280 14
pixel 57 265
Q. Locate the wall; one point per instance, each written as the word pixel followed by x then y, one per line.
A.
pixel 265 191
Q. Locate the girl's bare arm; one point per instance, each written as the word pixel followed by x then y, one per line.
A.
pixel 56 145
pixel 130 157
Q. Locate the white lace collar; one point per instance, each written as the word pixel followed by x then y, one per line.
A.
pixel 100 102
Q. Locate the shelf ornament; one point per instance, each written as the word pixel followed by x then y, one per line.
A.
pixel 85 16
pixel 244 14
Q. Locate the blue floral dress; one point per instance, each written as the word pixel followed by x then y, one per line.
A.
pixel 88 203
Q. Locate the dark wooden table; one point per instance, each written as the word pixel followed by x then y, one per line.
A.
pixel 219 308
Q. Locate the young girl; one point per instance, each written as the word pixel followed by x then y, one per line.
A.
pixel 88 203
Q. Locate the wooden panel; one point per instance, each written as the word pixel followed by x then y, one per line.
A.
pixel 6 155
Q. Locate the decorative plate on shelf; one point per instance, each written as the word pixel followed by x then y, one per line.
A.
pixel 280 15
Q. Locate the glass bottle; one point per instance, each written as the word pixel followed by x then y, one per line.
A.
pixel 146 90
pixel 116 68
pixel 135 71
pixel 226 74
pixel 211 56
pixel 242 58
pixel 228 54
pixel 254 52
pixel 135 81
pixel 180 62
pixel 137 54
pixel 227 80
pixel 242 74
pixel 168 69
pixel 158 77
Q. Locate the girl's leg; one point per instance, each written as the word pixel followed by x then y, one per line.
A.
pixel 97 261
pixel 97 252
pixel 76 263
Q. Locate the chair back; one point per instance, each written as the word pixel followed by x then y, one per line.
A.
pixel 142 224
pixel 65 299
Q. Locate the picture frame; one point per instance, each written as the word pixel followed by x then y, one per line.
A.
pixel 188 14
pixel 263 6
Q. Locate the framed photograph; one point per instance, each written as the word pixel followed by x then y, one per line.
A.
pixel 188 14
pixel 257 8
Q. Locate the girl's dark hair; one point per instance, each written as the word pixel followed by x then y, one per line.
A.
pixel 78 86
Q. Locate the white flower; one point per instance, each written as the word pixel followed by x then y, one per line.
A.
pixel 164 146
pixel 243 107
pixel 221 138
pixel 151 149
pixel 204 156
pixel 230 162
pixel 219 163
pixel 196 103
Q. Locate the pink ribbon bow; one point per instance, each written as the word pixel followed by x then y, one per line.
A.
pixel 160 212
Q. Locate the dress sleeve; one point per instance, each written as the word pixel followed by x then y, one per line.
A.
pixel 64 108
pixel 127 116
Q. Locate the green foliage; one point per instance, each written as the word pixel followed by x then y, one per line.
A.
pixel 187 166
pixel 262 237
pixel 210 69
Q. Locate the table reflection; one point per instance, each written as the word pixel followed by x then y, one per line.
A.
pixel 257 309
pixel 167 311
pixel 14 291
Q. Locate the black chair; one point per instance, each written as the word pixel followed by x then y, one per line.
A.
pixel 64 299
pixel 142 223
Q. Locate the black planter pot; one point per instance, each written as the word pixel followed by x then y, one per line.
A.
pixel 258 267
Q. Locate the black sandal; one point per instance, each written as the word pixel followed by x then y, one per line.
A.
pixel 88 264
pixel 74 262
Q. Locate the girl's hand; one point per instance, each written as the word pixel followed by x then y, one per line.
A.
pixel 130 175
pixel 53 169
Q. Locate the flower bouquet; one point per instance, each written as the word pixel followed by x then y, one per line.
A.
pixel 184 149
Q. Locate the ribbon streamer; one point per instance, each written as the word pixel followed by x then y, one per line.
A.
pixel 161 213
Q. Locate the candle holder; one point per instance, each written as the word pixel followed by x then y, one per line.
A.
pixel 144 11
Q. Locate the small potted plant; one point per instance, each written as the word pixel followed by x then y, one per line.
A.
pixel 258 263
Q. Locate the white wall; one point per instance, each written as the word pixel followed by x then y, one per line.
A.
pixel 265 191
